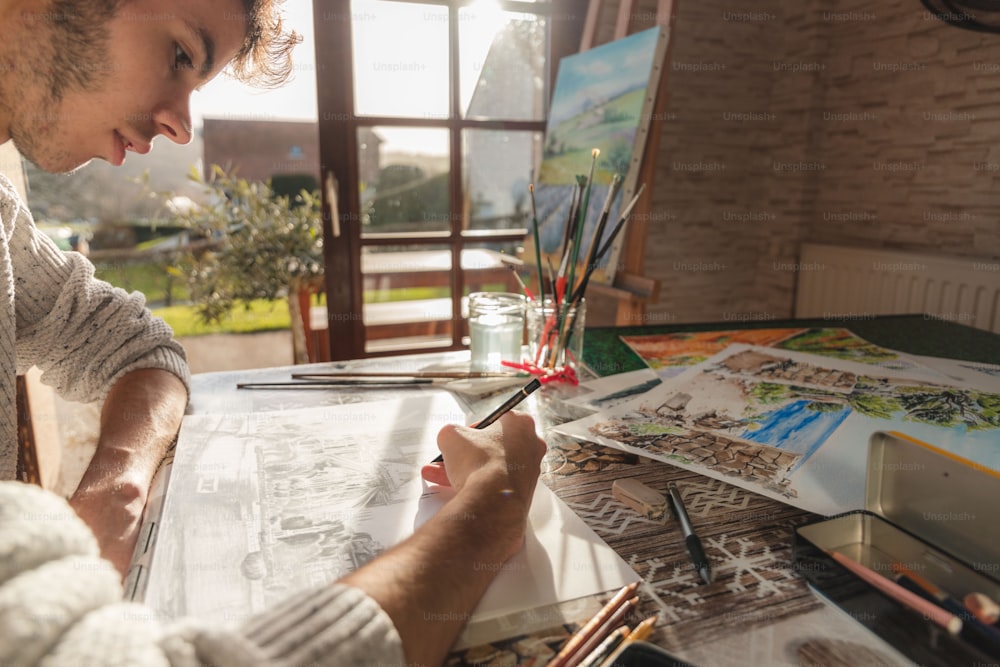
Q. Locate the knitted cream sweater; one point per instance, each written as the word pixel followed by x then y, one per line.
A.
pixel 60 604
pixel 83 333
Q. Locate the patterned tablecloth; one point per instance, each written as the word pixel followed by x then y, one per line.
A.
pixel 758 610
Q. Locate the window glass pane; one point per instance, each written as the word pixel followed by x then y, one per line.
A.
pixel 501 63
pixel 407 296
pixel 400 59
pixel 486 269
pixel 403 174
pixel 498 169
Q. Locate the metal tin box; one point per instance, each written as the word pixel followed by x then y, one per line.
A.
pixel 931 512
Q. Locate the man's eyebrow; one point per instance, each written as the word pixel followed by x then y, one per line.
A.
pixel 208 46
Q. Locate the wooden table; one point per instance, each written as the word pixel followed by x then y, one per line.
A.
pixel 759 610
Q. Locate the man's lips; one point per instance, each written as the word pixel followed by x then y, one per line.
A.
pixel 123 144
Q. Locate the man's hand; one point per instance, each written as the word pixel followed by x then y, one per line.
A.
pixel 510 448
pixel 431 582
pixel 139 421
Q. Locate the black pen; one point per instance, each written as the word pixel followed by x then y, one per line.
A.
pixel 690 539
pixel 507 406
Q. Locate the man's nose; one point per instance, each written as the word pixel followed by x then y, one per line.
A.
pixel 175 124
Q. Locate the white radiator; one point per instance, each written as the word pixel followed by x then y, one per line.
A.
pixel 845 283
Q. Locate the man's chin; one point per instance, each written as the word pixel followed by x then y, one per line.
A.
pixel 61 164
pixel 59 167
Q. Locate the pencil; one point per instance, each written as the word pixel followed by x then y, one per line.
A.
pixel 602 632
pixel 971 625
pixel 931 611
pixel 596 657
pixel 640 633
pixel 591 626
pixel 643 630
pixel 506 407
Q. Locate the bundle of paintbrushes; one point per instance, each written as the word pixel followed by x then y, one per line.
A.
pixel 556 313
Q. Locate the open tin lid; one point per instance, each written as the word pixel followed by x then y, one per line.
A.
pixel 944 499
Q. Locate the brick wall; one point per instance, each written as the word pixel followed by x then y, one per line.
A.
pixel 921 165
pixel 847 122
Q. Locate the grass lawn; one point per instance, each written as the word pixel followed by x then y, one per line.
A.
pixel 149 278
pixel 261 316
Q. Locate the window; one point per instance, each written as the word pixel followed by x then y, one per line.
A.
pixel 431 119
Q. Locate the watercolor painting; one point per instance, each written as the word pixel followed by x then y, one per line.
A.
pixel 602 100
pixel 668 353
pixel 794 426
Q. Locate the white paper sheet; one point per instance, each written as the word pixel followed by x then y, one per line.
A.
pixel 263 505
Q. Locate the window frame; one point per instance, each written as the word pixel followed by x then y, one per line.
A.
pixel 338 126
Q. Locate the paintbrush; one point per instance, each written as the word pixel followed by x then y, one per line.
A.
pixel 577 294
pixel 581 218
pixel 538 243
pixel 602 222
pixel 457 375
pixel 524 288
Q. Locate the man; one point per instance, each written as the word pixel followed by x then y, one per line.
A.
pixel 98 78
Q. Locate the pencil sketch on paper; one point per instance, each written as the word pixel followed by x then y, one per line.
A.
pixel 794 426
pixel 263 505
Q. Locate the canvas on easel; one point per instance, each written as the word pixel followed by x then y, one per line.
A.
pixel 603 99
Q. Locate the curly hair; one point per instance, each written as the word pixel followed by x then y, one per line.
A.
pixel 265 58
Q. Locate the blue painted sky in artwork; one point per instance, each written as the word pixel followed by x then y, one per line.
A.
pixel 602 73
pixel 795 428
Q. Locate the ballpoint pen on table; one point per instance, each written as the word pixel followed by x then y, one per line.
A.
pixel 506 407
pixel 694 547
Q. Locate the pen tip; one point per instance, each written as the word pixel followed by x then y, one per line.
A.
pixel 706 574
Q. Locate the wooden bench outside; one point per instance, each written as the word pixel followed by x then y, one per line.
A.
pixel 413 324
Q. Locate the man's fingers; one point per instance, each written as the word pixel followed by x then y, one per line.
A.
pixel 435 474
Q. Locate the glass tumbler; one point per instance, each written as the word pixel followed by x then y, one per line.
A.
pixel 555 334
pixel 496 329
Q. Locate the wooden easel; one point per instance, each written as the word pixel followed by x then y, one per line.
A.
pixel 623 302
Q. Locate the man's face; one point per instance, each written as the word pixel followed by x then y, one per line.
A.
pixel 112 88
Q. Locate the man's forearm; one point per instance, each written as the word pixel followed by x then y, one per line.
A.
pixel 139 421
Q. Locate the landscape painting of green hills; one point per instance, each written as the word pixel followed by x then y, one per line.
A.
pixel 602 100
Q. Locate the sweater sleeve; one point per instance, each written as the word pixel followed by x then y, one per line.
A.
pixel 334 626
pixel 82 332
pixel 60 604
